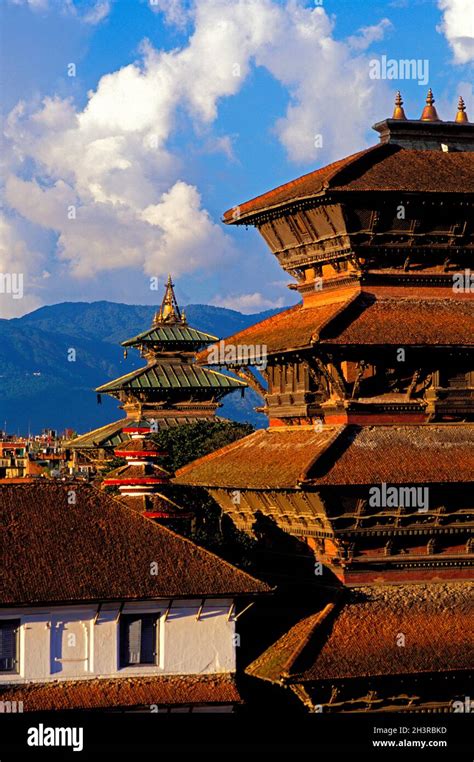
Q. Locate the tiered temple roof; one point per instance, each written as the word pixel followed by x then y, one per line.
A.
pixel 171 389
pixel 142 482
pixel 369 455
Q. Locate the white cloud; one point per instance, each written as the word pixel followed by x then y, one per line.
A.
pixel 458 28
pixel 92 13
pixel 17 261
pixel 176 12
pixel 112 161
pixel 97 13
pixel 369 34
pixel 39 5
pixel 249 303
pixel 325 80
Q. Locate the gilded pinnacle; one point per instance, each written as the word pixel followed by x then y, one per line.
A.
pixel 398 112
pixel 461 115
pixel 429 112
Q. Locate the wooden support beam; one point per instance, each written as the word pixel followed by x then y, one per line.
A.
pixel 361 366
pixel 244 610
pixel 246 375
pixel 167 612
pixel 198 616
pixel 97 614
pixel 413 383
pixel 119 612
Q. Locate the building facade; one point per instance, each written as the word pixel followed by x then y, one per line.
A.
pixel 133 617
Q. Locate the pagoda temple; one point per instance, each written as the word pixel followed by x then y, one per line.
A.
pixel 171 389
pixel 142 483
pixel 369 454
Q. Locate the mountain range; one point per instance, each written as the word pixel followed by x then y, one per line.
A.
pixel 42 387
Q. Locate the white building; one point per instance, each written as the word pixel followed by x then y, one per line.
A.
pixel 102 608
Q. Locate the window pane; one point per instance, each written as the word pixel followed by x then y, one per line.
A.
pixel 8 645
pixel 148 640
pixel 134 641
pixel 138 639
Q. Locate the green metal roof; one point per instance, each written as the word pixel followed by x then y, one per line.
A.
pixel 174 333
pixel 172 376
pixel 111 435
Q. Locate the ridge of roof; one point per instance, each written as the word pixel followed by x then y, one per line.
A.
pixel 343 306
pixel 171 367
pixel 273 447
pixel 201 336
pixel 217 453
pixel 353 646
pixel 326 173
pixel 334 177
pixel 113 426
pixel 272 665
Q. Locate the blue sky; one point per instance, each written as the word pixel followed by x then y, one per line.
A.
pixel 179 110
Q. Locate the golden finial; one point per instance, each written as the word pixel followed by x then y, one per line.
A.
pixel 398 112
pixel 169 310
pixel 461 115
pixel 429 112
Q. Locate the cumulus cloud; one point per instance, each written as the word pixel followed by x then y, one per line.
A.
pixel 248 303
pixel 19 266
pixel 325 79
pixel 458 28
pixel 104 178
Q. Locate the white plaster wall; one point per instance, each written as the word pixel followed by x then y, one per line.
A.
pixel 64 642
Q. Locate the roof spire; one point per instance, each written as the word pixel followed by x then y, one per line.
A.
pixel 429 113
pixel 169 311
pixel 398 112
pixel 461 115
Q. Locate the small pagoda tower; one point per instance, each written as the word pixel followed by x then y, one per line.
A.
pixel 171 389
pixel 141 481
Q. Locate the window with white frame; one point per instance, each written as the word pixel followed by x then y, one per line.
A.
pixel 139 638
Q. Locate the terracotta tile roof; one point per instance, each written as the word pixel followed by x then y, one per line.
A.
pixel 115 693
pixel 266 459
pixel 275 664
pixel 364 318
pixel 379 168
pixel 157 504
pixel 416 171
pixel 303 187
pixel 360 639
pixel 416 454
pixel 99 549
pixel 403 322
pixel 293 328
pixel 337 455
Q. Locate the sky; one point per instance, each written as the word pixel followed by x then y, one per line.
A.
pixel 130 126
